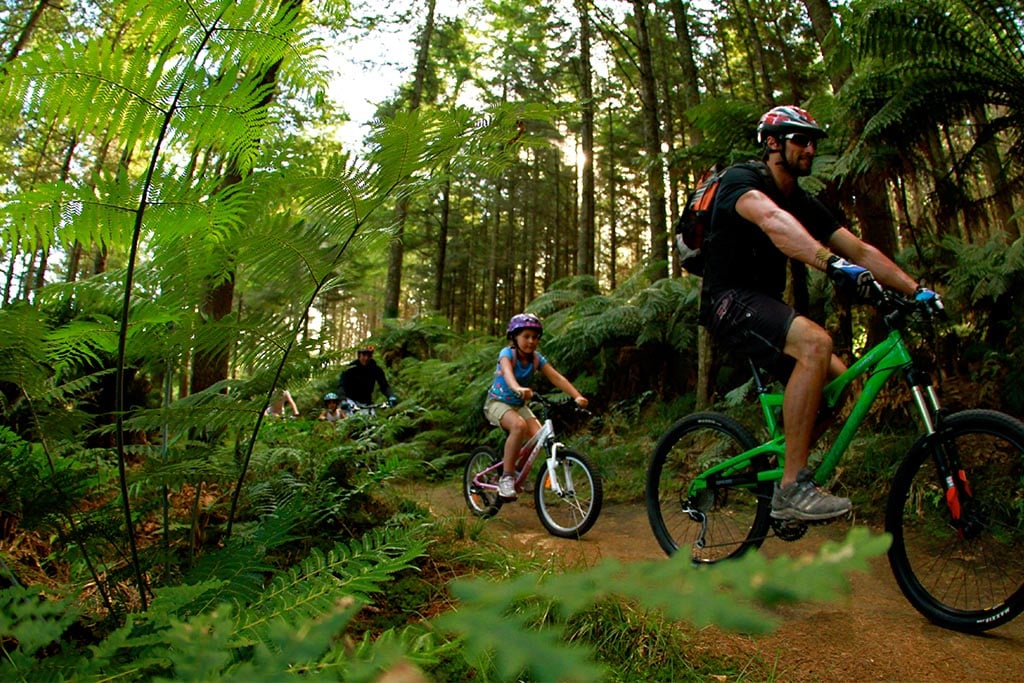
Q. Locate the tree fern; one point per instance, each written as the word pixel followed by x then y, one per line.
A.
pixel 935 62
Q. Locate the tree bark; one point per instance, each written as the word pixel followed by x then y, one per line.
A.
pixel 587 230
pixel 652 142
pixel 396 255
pixel 441 255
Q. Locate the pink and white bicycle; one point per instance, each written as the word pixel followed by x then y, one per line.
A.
pixel 567 492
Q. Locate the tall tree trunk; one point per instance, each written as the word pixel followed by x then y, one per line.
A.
pixel 706 355
pixel 587 231
pixel 995 176
pixel 613 227
pixel 442 243
pixel 690 88
pixel 396 256
pixel 210 365
pixel 652 142
pixel 757 53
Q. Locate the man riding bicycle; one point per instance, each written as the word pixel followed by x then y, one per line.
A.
pixel 356 382
pixel 762 218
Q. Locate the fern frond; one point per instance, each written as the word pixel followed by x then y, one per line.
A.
pixel 358 570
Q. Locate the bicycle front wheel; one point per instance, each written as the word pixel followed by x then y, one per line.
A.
pixel 572 512
pixel 958 557
pixel 726 519
pixel 482 501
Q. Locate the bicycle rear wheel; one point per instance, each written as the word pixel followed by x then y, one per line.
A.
pixel 573 513
pixel 483 502
pixel 729 517
pixel 960 562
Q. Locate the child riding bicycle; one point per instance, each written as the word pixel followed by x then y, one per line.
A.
pixel 505 406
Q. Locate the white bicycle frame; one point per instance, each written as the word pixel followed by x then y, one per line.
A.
pixel 544 438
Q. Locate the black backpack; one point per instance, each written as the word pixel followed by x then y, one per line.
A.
pixel 695 219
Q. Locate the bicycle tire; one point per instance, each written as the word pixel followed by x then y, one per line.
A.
pixel 737 516
pixel 968 575
pixel 574 512
pixel 482 502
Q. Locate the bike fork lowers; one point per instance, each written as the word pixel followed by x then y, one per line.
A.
pixel 953 478
pixel 551 480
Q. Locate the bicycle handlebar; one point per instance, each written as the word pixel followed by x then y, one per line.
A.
pixel 559 406
pixel 897 308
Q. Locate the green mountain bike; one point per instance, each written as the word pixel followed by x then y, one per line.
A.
pixel 955 508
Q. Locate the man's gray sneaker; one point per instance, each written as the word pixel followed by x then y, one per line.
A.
pixel 507 487
pixel 804 500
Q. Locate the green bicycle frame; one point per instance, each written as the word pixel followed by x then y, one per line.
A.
pixel 879 364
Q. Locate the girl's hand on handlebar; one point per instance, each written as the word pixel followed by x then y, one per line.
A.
pixel 581 401
pixel 525 393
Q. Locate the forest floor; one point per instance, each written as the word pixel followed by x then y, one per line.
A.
pixel 870 634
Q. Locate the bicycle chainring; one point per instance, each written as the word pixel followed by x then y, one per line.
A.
pixel 788 530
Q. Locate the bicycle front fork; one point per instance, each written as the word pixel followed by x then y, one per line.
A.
pixel 925 398
pixel 552 463
pixel 952 477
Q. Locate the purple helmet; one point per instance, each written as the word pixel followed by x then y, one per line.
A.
pixel 523 321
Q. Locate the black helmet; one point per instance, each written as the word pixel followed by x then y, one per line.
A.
pixel 789 119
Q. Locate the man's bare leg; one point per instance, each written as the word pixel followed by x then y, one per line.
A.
pixel 797 496
pixel 811 346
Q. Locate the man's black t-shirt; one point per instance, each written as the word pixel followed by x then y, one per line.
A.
pixel 357 381
pixel 738 254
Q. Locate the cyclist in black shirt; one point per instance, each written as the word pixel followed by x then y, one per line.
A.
pixel 762 218
pixel 357 380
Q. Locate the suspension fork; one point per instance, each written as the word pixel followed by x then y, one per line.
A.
pixel 552 464
pixel 952 477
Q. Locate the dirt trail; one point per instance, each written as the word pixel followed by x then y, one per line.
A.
pixel 872 634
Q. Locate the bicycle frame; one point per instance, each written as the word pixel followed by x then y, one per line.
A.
pixel 543 439
pixel 878 364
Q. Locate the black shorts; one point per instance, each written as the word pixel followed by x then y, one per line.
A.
pixel 755 326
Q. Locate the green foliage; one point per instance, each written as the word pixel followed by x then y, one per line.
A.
pixel 581 327
pixel 524 616
pixel 932 63
pixel 206 631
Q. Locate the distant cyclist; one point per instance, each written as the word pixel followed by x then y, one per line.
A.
pixel 760 221
pixel 332 411
pixel 505 406
pixel 276 407
pixel 359 377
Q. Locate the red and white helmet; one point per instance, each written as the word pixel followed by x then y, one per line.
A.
pixel 787 119
pixel 523 321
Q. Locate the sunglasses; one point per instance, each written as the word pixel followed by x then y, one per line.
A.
pixel 800 140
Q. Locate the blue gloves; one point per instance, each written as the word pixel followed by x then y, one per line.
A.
pixel 851 278
pixel 929 301
pixel 392 401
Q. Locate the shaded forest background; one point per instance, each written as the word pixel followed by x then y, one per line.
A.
pixel 184 234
